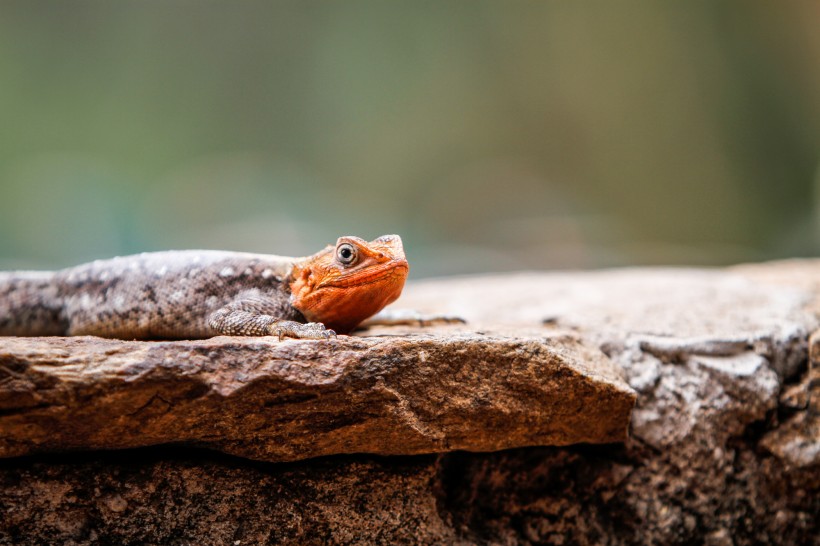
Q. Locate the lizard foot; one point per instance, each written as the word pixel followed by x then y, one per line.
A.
pixel 289 328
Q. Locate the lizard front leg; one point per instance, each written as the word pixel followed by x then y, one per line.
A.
pixel 248 317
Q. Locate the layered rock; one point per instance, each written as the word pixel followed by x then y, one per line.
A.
pixel 721 448
pixel 419 392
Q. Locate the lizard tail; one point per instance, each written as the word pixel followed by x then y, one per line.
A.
pixel 30 305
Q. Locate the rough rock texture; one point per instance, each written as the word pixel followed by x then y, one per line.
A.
pixel 151 497
pixel 721 448
pixel 797 440
pixel 291 400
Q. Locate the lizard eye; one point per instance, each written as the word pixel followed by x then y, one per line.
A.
pixel 346 253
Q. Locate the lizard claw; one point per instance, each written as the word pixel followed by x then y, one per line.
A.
pixel 297 330
pixel 317 330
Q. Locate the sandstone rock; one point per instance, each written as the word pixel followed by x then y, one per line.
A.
pixel 720 362
pixel 422 392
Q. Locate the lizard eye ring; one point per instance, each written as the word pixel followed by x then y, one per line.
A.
pixel 346 254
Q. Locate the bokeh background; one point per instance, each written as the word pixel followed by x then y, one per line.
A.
pixel 491 135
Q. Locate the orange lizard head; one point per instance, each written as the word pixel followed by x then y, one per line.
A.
pixel 343 285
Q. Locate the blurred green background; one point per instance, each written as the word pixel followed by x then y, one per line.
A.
pixel 490 135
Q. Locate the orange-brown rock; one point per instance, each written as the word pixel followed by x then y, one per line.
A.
pixel 390 394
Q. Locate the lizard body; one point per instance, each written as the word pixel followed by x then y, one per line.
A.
pixel 199 293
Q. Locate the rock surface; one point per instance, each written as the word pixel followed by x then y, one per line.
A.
pixel 797 440
pixel 720 449
pixel 291 400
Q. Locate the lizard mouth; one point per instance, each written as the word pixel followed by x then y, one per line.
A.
pixel 374 274
pixel 341 304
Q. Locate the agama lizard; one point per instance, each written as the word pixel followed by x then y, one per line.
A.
pixel 200 293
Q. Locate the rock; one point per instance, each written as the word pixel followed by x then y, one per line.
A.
pixel 671 312
pixel 709 353
pixel 708 350
pixel 151 497
pixel 797 441
pixel 720 362
pixel 575 495
pixel 423 392
pixel 796 273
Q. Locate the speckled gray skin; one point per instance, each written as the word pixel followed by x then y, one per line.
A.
pixel 161 295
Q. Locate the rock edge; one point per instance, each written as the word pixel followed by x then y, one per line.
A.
pixel 284 401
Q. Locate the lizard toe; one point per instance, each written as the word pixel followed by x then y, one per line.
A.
pixel 311 330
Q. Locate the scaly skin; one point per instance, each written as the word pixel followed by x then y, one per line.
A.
pixel 196 294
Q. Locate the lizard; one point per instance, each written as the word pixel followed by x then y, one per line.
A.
pixel 189 294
